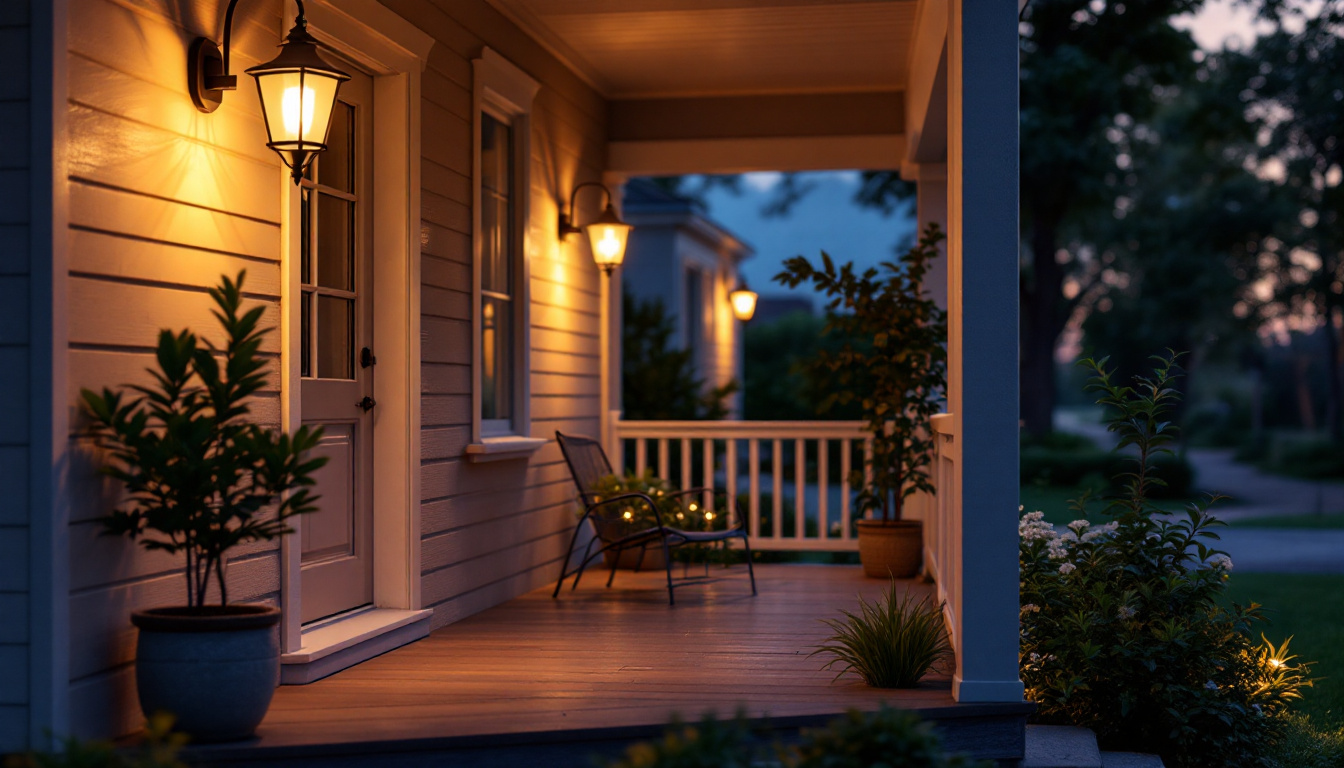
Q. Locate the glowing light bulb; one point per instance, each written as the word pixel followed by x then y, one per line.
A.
pixel 694 506
pixel 709 515
pixel 1275 663
pixel 290 112
pixel 627 515
pixel 609 245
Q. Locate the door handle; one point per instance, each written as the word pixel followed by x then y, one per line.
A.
pixel 367 404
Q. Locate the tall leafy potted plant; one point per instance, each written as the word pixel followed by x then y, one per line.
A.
pixel 200 480
pixel 894 364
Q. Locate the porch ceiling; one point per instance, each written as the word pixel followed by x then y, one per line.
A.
pixel 641 49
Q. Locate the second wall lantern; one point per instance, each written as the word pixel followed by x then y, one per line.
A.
pixel 607 233
pixel 297 88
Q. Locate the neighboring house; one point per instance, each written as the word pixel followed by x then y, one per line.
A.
pixel 467 124
pixel 689 263
pixel 772 308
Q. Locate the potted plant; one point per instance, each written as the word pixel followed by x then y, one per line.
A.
pixel 893 363
pixel 199 481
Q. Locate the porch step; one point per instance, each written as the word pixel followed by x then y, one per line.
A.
pixel 1059 746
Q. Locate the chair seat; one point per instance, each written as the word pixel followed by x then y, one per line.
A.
pixel 702 537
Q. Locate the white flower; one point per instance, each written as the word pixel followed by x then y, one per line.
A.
pixel 1031 608
pixel 1035 657
pixel 1067 568
pixel 1222 562
pixel 1212 686
pixel 1092 536
pixel 1057 550
pixel 1078 526
pixel 1068 536
pixel 1125 612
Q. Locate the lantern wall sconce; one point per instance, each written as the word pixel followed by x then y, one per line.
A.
pixel 607 233
pixel 297 89
pixel 744 302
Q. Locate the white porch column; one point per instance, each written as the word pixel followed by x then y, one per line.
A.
pixel 931 207
pixel 982 381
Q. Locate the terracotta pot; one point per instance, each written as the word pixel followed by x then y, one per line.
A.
pixel 891 550
pixel 214 668
pixel 653 559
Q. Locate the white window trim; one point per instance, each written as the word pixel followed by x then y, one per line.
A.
pixel 506 92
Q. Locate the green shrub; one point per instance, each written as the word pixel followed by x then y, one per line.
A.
pixel 1306 456
pixel 1124 628
pixel 886 738
pixel 676 510
pixel 891 642
pixel 1306 745
pixel 158 749
pixel 1069 467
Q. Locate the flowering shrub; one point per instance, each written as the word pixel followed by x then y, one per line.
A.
pixel 677 511
pixel 1125 629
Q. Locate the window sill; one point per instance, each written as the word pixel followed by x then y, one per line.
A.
pixel 503 448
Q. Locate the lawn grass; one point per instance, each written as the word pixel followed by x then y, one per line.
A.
pixel 1308 521
pixel 1054 501
pixel 1310 609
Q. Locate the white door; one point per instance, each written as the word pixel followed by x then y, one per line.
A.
pixel 337 360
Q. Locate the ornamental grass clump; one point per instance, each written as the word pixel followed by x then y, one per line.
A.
pixel 891 642
pixel 1125 628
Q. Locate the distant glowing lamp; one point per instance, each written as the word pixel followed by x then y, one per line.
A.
pixel 607 233
pixel 297 88
pixel 744 302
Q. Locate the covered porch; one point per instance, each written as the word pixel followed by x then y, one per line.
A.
pixel 559 680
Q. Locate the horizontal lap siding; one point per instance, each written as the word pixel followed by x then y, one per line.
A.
pixel 492 531
pixel 163 200
pixel 15 216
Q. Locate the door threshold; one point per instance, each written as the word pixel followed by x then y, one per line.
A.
pixel 343 641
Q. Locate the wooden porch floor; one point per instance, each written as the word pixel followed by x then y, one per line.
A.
pixel 597 663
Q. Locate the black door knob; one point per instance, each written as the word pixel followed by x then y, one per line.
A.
pixel 367 404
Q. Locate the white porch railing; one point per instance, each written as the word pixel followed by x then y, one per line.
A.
pixel 942 527
pixel 794 474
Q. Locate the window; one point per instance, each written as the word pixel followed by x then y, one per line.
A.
pixel 499 289
pixel 503 102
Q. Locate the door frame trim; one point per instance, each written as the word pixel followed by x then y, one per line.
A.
pixel 395 53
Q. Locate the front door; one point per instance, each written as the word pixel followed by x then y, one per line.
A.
pixel 337 362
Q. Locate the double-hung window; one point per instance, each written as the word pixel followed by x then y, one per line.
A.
pixel 502 105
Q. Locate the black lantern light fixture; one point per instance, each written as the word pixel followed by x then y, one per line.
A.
pixel 297 88
pixel 743 300
pixel 607 233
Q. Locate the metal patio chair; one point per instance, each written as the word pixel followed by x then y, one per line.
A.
pixel 588 464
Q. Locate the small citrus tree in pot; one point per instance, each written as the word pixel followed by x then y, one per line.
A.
pixel 199 481
pixel 894 364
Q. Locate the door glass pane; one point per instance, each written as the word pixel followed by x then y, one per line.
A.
pixel 337 164
pixel 306 335
pixel 306 238
pixel 335 338
pixel 496 358
pixel 335 243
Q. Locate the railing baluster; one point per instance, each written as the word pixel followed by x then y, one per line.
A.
pixel 687 475
pixel 707 461
pixel 867 463
pixel 754 485
pixel 730 478
pixel 777 486
pixel 800 488
pixel 641 455
pixel 822 448
pixel 663 460
pixel 846 452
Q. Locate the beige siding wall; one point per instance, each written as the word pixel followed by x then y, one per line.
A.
pixel 494 530
pixel 14 350
pixel 164 199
